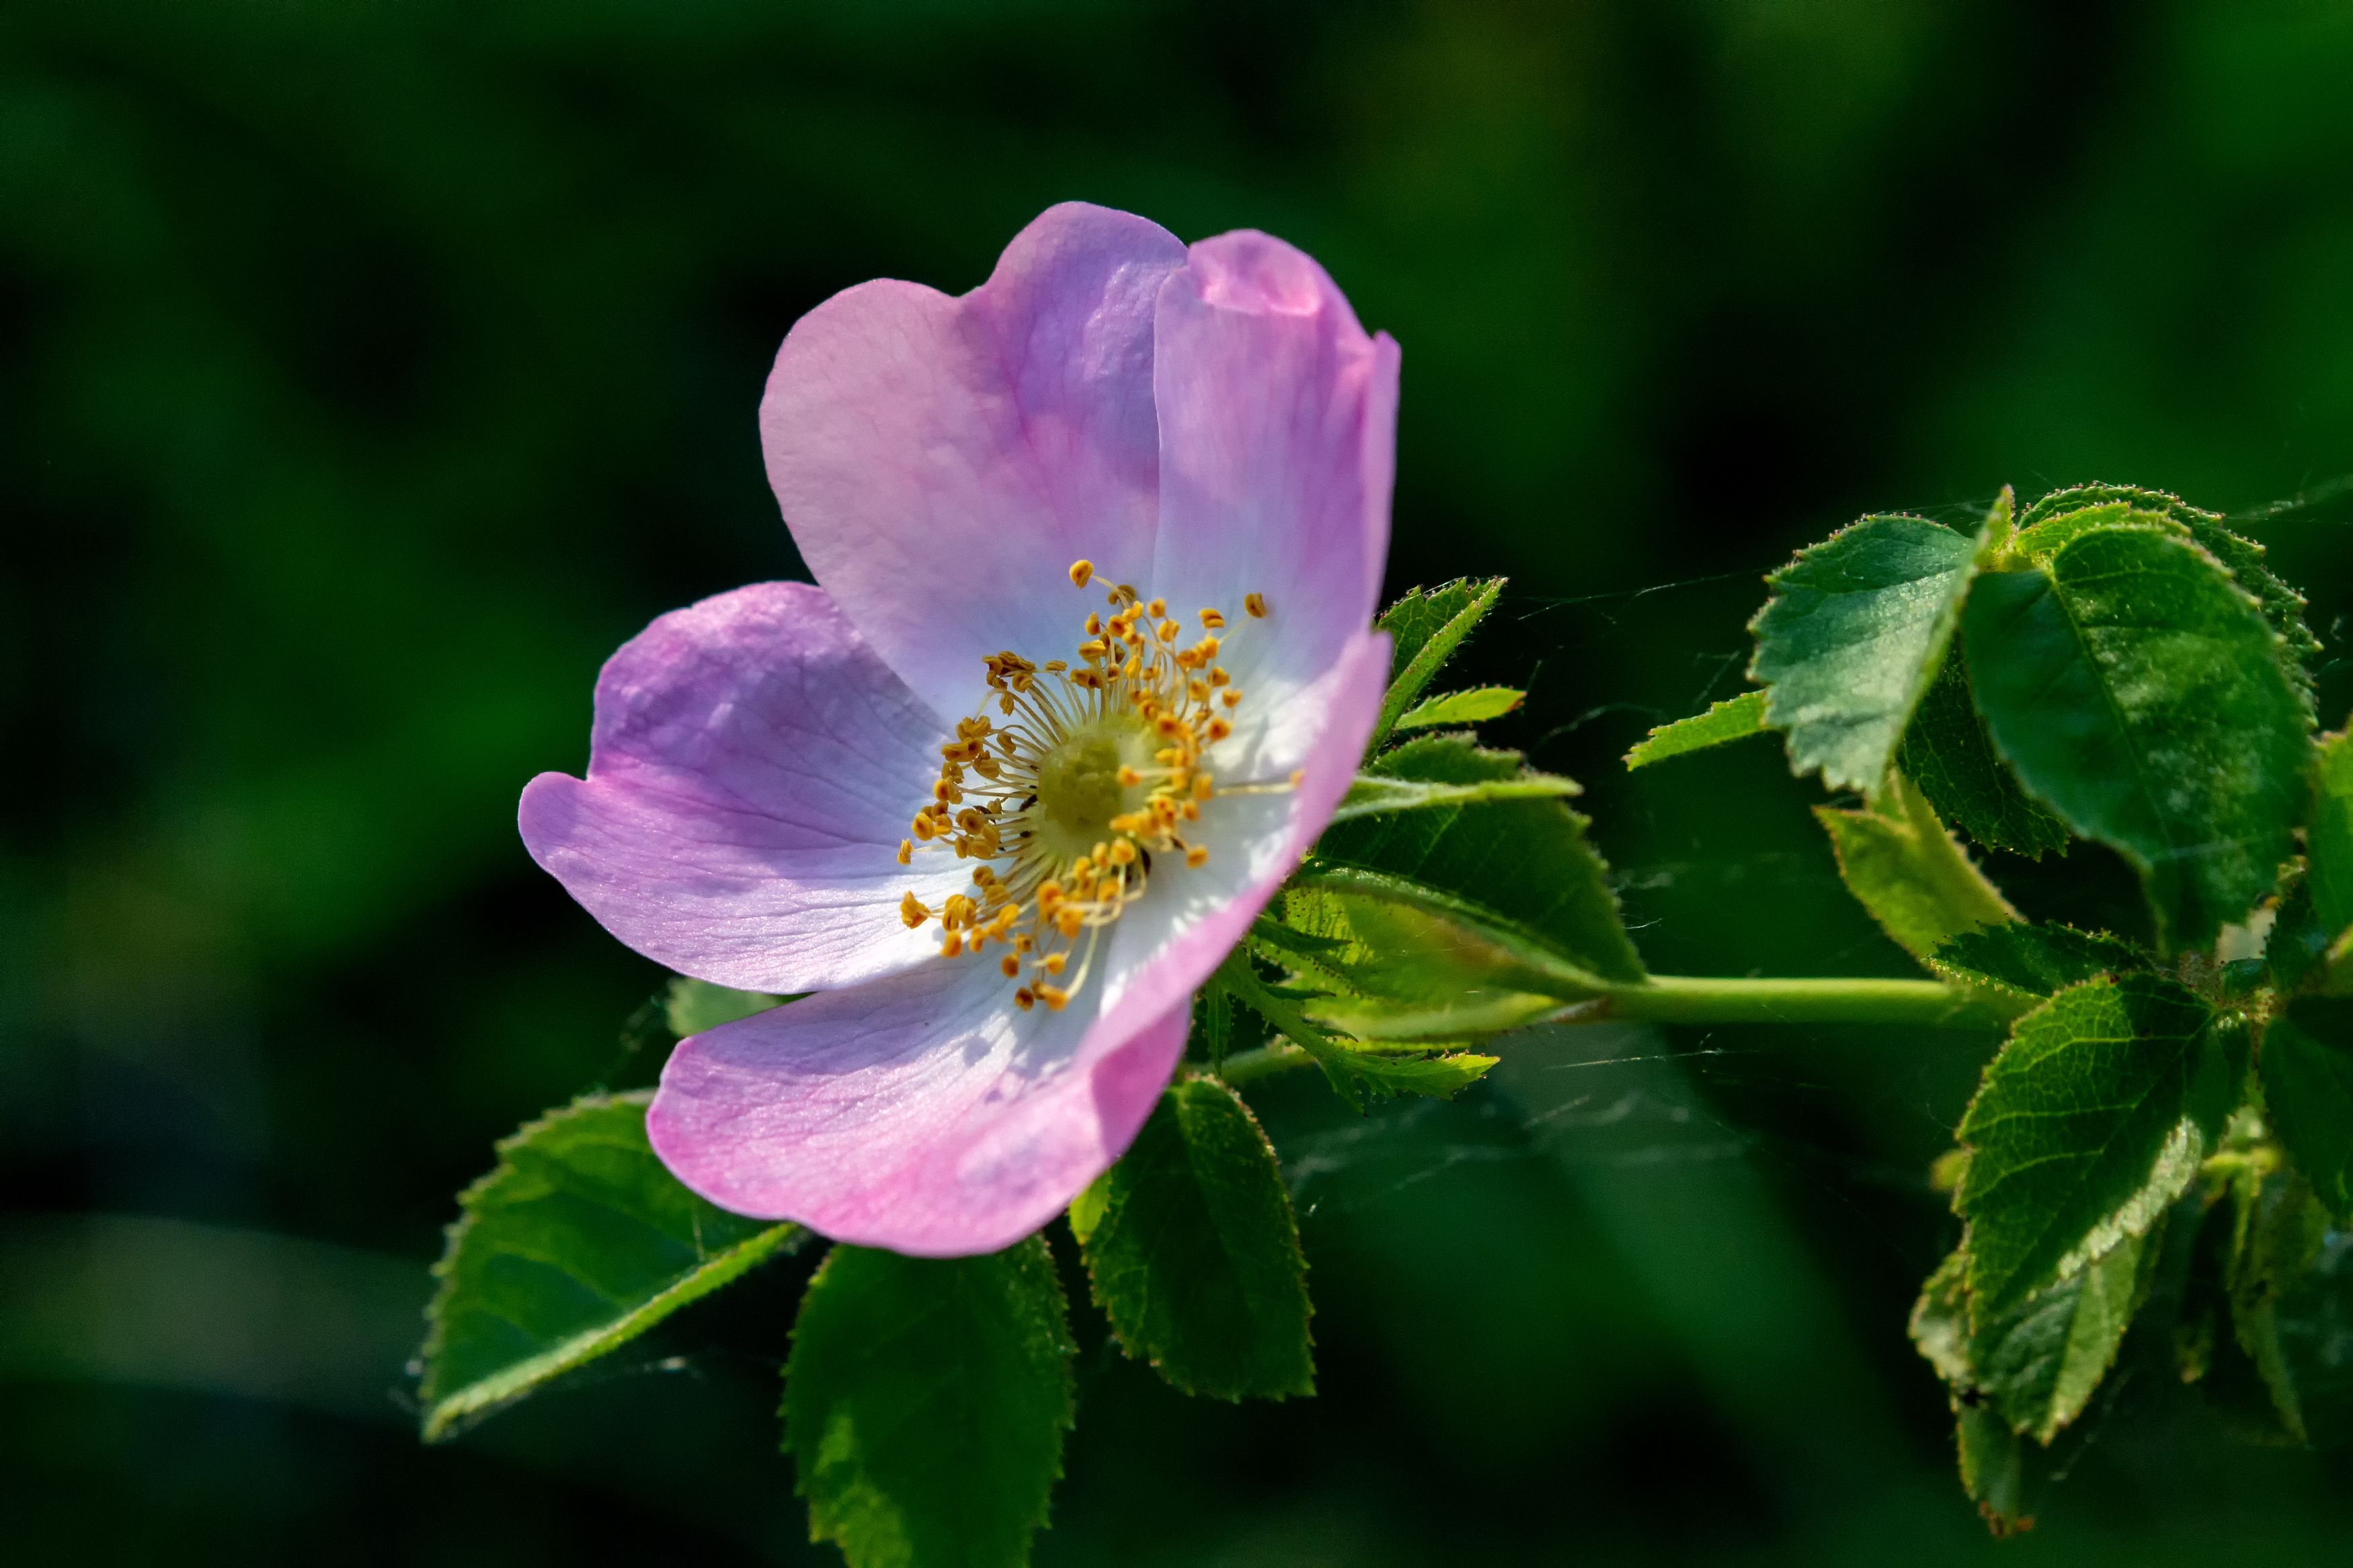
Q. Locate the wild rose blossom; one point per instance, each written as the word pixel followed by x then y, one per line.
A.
pixel 1086 671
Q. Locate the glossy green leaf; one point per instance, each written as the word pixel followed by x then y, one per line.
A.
pixel 2135 688
pixel 2307 1074
pixel 1377 794
pixel 1899 862
pixel 1472 707
pixel 925 1402
pixel 2041 1360
pixel 577 1243
pixel 1948 753
pixel 1426 627
pixel 2092 1120
pixel 1524 866
pixel 2020 959
pixel 1734 719
pixel 1195 1257
pixel 2328 837
pixel 1856 631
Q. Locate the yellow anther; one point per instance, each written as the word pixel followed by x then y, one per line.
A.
pixel 1203 787
pixel 1298 776
pixel 1192 812
pixel 1068 922
pixel 1220 729
pixel 1196 856
pixel 1158 608
pixel 1168 726
pixel 1101 854
pixel 1049 894
pixel 1056 666
pixel 1208 648
pixel 912 910
pixel 1009 966
pixel 1198 690
pixel 1055 962
pixel 1130 777
pixel 1054 996
pixel 952 944
pixel 1082 574
pixel 1256 604
pixel 1218 677
pixel 906 851
pixel 1231 697
pixel 1213 619
pixel 922 827
pixel 1025 999
pixel 1122 853
pixel 1168 631
pixel 1094 625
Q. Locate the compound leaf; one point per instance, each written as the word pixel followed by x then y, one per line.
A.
pixel 1472 707
pixel 1426 627
pixel 1897 859
pixel 1855 632
pixel 2022 960
pixel 1949 754
pixel 1734 719
pixel 578 1242
pixel 2134 687
pixel 1194 1255
pixel 2307 1074
pixel 2091 1121
pixel 926 1401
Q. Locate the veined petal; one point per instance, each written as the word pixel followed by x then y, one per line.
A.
pixel 1278 442
pixel 922 1113
pixel 1182 929
pixel 942 461
pixel 752 771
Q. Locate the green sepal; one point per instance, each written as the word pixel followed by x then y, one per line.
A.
pixel 2307 1077
pixel 578 1242
pixel 1902 864
pixel 2134 690
pixel 1854 633
pixel 1734 719
pixel 1426 627
pixel 1522 864
pixel 2022 960
pixel 925 1402
pixel 1193 1253
pixel 1949 753
pixel 2091 1121
pixel 1475 706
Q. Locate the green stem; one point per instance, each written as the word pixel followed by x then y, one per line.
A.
pixel 1662 999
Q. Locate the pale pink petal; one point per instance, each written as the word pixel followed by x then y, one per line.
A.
pixel 752 771
pixel 1278 438
pixel 942 461
pixel 922 1113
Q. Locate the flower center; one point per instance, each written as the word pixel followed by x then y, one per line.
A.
pixel 1087 771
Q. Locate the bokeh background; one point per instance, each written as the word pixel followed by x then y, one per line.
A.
pixel 370 370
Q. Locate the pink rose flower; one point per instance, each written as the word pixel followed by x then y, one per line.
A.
pixel 1088 667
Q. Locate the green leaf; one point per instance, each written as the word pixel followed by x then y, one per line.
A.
pixel 1948 753
pixel 1940 1322
pixel 1358 1072
pixel 2312 1321
pixel 1993 1466
pixel 2019 960
pixel 2091 1121
pixel 1856 631
pixel 1436 1075
pixel 1734 719
pixel 578 1242
pixel 692 1006
pixel 1473 706
pixel 1195 1257
pixel 2277 1234
pixel 1522 864
pixel 1920 886
pixel 1376 794
pixel 2328 838
pixel 2040 1362
pixel 2307 1075
pixel 2134 689
pixel 926 1401
pixel 1426 627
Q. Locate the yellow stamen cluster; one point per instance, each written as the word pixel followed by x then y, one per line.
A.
pixel 1087 771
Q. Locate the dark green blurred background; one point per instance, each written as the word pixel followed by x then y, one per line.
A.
pixel 369 370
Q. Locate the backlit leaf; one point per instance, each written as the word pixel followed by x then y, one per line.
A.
pixel 1195 1257
pixel 925 1402
pixel 2021 960
pixel 2092 1120
pixel 1426 627
pixel 1376 794
pixel 1856 631
pixel 1949 754
pixel 1400 961
pixel 1473 706
pixel 1734 719
pixel 1901 864
pixel 578 1242
pixel 693 1006
pixel 2041 1360
pixel 2136 690
pixel 2308 1072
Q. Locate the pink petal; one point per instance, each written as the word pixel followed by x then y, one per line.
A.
pixel 752 771
pixel 1278 441
pixel 922 1113
pixel 942 461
